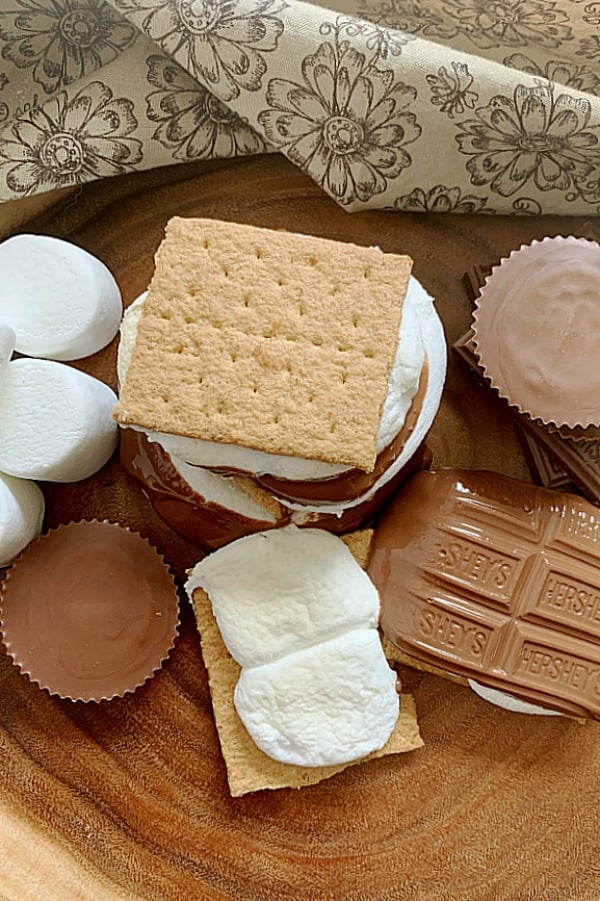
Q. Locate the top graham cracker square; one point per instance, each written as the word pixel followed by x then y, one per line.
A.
pixel 265 339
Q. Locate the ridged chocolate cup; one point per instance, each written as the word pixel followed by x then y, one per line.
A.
pixel 89 611
pixel 535 327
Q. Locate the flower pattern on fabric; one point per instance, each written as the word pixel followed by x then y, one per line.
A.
pixel 442 200
pixel 589 46
pixel 511 23
pixel 347 125
pixel 580 78
pixel 384 43
pixel 194 123
pixel 70 141
pixel 412 16
pixel 591 13
pixel 63 40
pixel 451 91
pixel 219 41
pixel 532 136
pixel 526 206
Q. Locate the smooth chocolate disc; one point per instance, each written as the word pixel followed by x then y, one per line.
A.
pixel 536 325
pixel 89 611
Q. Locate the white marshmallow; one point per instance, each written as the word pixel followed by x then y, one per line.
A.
pixel 21 513
pixel 279 591
pixel 325 705
pixel 57 422
pixel 509 702
pixel 62 302
pixel 7 345
pixel 300 615
pixel 127 335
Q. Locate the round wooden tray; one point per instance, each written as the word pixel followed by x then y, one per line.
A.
pixel 129 798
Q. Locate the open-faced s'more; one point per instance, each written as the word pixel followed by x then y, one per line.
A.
pixel 271 378
pixel 299 683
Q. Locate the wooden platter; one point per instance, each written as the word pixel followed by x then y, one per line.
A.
pixel 128 799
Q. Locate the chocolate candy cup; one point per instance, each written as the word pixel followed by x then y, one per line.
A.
pixel 89 611
pixel 497 580
pixel 535 331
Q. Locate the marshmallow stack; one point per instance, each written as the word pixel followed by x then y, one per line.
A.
pixel 57 303
pixel 300 615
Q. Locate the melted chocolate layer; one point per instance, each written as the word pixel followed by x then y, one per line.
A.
pixel 211 526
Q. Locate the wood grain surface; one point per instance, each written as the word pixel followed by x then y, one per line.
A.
pixel 128 799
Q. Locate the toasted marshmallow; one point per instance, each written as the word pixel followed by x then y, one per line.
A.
pixel 21 513
pixel 57 422
pixel 62 302
pixel 300 616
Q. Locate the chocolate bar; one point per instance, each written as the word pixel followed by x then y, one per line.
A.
pixel 497 580
pixel 541 464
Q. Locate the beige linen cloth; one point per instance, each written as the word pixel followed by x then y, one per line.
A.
pixel 488 106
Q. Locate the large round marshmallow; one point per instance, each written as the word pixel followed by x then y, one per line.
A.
pixel 57 422
pixel 324 705
pixel 62 302
pixel 21 513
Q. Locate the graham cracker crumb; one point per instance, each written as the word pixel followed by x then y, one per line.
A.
pixel 263 498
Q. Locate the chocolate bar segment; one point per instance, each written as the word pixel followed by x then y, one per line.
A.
pixel 544 469
pixel 496 580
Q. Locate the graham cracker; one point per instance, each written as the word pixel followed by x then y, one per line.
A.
pixel 248 768
pixel 268 340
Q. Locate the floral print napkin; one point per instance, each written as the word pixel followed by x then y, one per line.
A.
pixel 488 106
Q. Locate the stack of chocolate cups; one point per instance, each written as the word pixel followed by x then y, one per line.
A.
pixel 533 339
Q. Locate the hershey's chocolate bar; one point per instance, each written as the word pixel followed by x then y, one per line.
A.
pixel 497 580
